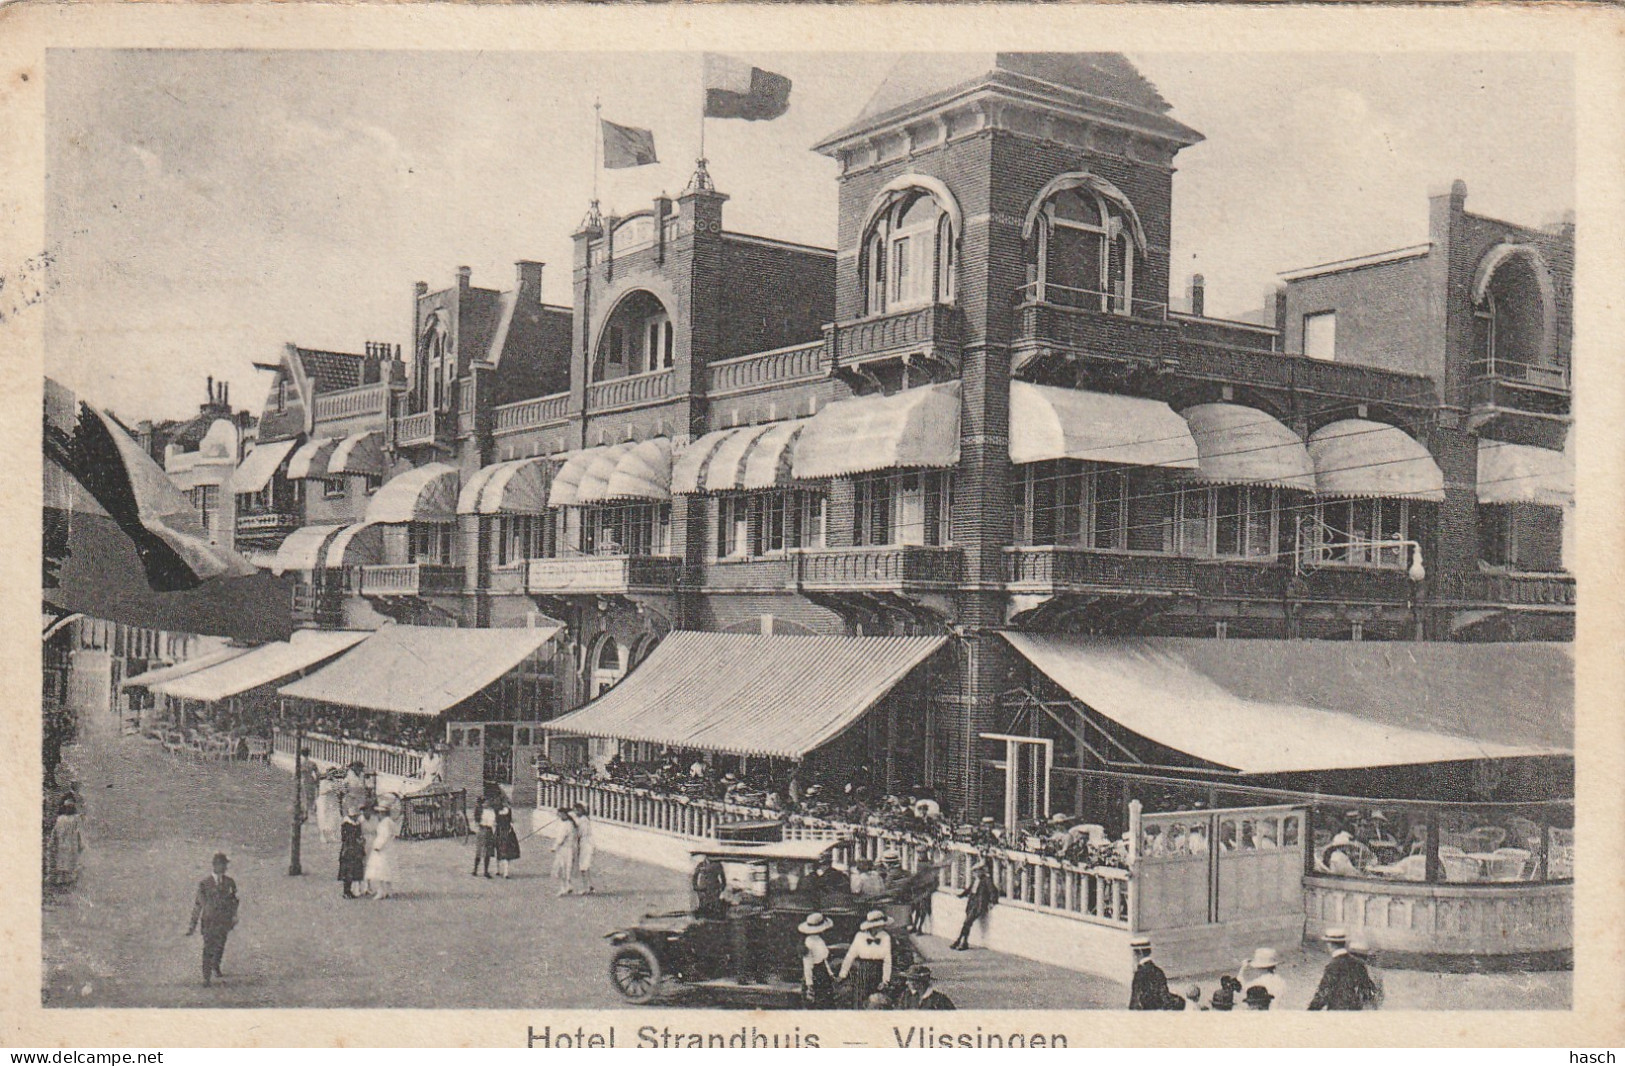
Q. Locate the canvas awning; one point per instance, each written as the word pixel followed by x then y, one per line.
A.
pixel 183 668
pixel 423 494
pixel 1356 458
pixel 727 466
pixel 1270 706
pixel 359 453
pixel 1238 445
pixel 265 665
pixel 256 469
pixel 420 670
pixel 1052 423
pixel 688 468
pixel 746 694
pixel 768 463
pixel 913 428
pixel 312 458
pixel 643 472
pixel 302 549
pixel 360 544
pixel 1518 473
pixel 518 486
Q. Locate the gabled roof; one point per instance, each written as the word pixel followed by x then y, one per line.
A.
pixel 1102 82
pixel 331 371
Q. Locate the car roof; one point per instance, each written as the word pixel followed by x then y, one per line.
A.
pixel 777 849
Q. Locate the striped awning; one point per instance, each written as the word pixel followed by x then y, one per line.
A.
pixel 518 486
pixel 768 463
pixel 1518 473
pixel 566 486
pixel 913 428
pixel 594 487
pixel 745 694
pixel 727 464
pixel 643 472
pixel 423 494
pixel 1242 446
pixel 264 665
pixel 302 549
pixel 261 463
pixel 359 453
pixel 182 668
pixel 688 467
pixel 361 544
pixel 312 458
pixel 1356 458
pixel 1051 423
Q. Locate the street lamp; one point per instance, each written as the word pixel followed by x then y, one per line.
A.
pixel 294 867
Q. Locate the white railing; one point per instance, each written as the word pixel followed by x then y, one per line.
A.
pixel 337 751
pixel 1101 895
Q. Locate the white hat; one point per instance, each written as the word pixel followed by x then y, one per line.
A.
pixel 1337 936
pixel 815 923
pixel 1264 959
pixel 875 920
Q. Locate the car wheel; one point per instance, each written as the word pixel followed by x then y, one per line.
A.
pixel 634 970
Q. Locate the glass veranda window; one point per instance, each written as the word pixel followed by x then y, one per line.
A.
pixel 913 508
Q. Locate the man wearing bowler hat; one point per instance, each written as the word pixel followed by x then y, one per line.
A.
pixel 215 909
pixel 1149 990
pixel 1346 984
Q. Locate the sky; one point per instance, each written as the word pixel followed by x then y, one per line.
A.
pixel 206 207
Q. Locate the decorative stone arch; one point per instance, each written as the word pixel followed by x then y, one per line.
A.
pixel 1499 256
pixel 1082 179
pixel 641 646
pixel 901 186
pixel 656 288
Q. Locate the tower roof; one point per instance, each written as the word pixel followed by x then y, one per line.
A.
pixel 1103 83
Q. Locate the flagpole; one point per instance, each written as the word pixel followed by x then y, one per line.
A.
pixel 597 148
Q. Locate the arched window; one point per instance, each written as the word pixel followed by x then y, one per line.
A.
pixel 638 338
pixel 430 377
pixel 907 257
pixel 608 666
pixel 1512 318
pixel 1084 239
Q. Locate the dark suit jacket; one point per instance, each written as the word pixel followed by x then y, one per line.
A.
pixel 1150 990
pixel 1346 985
pixel 215 906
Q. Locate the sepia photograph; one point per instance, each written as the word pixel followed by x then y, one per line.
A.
pixel 762 530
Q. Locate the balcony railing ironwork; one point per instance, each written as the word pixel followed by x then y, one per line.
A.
pixel 1507 590
pixel 1537 375
pixel 267 523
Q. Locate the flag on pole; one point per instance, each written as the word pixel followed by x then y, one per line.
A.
pixel 735 89
pixel 627 146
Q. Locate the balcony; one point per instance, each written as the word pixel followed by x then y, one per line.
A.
pixel 321 606
pixel 411 579
pixel 1526 591
pixel 635 390
pixel 602 575
pixel 1502 391
pixel 929 334
pixel 260 527
pixel 364 401
pixel 774 573
pixel 1328 583
pixel 507 578
pixel 540 413
pixel 1259 368
pixel 802 362
pixel 1050 326
pixel 893 568
pixel 415 429
pixel 1047 570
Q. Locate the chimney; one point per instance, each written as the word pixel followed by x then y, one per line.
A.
pixel 528 279
pixel 1198 289
pixel 420 289
pixel 1277 301
pixel 464 274
pixel 225 395
pixel 210 380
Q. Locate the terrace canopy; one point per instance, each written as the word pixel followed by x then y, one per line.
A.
pixel 265 665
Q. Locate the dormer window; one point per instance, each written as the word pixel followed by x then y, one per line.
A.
pixel 1084 237
pixel 907 257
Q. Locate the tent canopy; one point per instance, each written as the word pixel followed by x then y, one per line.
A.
pixel 773 696
pixel 264 665
pixel 518 486
pixel 183 668
pixel 768 463
pixel 359 453
pixel 420 670
pixel 1270 706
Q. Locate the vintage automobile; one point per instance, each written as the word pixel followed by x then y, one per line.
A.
pixel 693 947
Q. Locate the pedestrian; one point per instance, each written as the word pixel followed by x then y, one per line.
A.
pixel 308 786
pixel 709 884
pixel 507 841
pixel 1258 998
pixel 485 843
pixel 979 897
pixel 381 858
pixel 867 966
pixel 745 931
pixel 352 855
pixel 354 798
pixel 817 979
pixel 66 845
pixel 1346 984
pixel 1362 951
pixel 214 908
pixel 921 993
pixel 586 848
pixel 327 809
pixel 1264 960
pixel 1149 989
pixel 565 840
pixel 1224 997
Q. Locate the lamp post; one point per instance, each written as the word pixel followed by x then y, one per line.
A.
pixel 1418 575
pixel 294 868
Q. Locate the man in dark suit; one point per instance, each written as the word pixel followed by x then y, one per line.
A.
pixel 1149 990
pixel 921 993
pixel 1346 984
pixel 215 909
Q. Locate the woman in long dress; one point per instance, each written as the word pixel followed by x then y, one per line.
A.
pixel 352 855
pixel 565 851
pixel 507 839
pixel 67 844
pixel 327 809
pixel 817 979
pixel 867 966
pixel 381 859
pixel 586 849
